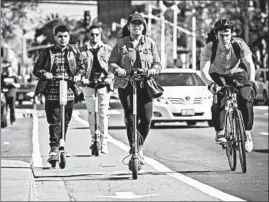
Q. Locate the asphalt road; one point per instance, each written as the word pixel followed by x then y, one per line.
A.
pixel 192 151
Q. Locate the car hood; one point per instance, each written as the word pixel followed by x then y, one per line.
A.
pixel 184 91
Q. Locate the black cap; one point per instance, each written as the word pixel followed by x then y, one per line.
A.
pixel 137 17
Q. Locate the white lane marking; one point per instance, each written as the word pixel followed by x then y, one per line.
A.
pixel 264 133
pixel 36 155
pixel 6 142
pixel 211 191
pixel 128 195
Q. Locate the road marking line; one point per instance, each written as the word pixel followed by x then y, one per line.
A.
pixel 6 142
pixel 36 155
pixel 211 191
pixel 128 195
pixel 264 133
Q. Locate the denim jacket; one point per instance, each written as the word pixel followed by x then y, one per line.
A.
pixel 45 63
pixel 122 56
pixel 102 55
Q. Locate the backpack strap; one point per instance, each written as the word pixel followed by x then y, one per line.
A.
pixel 214 50
pixel 237 48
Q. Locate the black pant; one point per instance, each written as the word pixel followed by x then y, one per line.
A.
pixel 245 100
pixel 53 112
pixel 11 106
pixel 144 111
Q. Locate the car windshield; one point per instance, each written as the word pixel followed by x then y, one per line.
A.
pixel 179 79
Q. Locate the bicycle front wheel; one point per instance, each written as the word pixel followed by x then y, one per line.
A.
pixel 240 136
pixel 231 143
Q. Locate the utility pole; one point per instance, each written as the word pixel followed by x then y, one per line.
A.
pixel 162 34
pixel 193 39
pixel 175 9
pixel 149 19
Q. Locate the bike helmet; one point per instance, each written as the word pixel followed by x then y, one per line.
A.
pixel 223 24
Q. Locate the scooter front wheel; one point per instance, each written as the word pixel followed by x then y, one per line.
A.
pixel 135 168
pixel 62 160
pixel 96 149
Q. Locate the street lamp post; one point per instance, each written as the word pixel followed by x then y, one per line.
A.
pixel 193 39
pixel 163 8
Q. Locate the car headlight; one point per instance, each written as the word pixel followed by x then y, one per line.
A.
pixel 30 94
pixel 162 100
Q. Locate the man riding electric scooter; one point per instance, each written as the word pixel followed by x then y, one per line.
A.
pixel 63 60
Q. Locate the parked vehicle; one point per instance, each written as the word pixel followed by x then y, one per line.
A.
pixel 25 93
pixel 3 111
pixel 261 77
pixel 186 98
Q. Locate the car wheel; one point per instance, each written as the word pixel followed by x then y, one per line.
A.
pixel 20 102
pixel 265 98
pixel 210 123
pixel 191 123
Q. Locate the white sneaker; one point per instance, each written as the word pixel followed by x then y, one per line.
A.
pixel 220 138
pixel 249 142
pixel 104 148
pixel 141 156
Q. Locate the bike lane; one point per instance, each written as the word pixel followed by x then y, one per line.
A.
pixel 106 177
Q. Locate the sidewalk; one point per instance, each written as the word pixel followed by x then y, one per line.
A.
pixel 16 155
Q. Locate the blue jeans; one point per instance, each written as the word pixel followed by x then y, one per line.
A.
pixel 53 112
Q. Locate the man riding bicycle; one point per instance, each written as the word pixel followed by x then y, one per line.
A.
pixel 222 61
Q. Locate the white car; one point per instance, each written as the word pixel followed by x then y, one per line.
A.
pixel 261 78
pixel 185 98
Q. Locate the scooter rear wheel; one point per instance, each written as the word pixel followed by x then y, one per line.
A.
pixel 62 160
pixel 53 163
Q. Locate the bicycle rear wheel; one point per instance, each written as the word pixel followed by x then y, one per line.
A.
pixel 231 143
pixel 240 135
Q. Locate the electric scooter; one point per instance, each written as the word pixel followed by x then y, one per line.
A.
pixel 135 164
pixel 61 156
pixel 96 146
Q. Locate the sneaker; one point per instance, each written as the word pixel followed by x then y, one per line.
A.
pixel 249 142
pixel 53 154
pixel 67 154
pixel 91 142
pixel 141 157
pixel 220 138
pixel 104 148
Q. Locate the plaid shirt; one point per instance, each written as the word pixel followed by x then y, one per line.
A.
pixel 60 67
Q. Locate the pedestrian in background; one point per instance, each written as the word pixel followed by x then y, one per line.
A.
pixel 9 85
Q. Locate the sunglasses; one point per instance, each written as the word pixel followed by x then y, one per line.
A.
pixel 92 34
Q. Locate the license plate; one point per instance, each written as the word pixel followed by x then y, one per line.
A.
pixel 20 96
pixel 187 112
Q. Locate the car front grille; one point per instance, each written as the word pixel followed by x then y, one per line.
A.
pixel 196 100
pixel 196 114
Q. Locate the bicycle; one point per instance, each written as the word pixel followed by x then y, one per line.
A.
pixel 63 88
pixel 135 165
pixel 234 129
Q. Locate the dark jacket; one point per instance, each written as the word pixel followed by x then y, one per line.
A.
pixel 45 62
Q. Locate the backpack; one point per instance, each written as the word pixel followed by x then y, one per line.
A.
pixel 211 37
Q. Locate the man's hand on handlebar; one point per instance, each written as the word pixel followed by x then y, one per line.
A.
pixel 152 72
pixel 77 78
pixel 48 75
pixel 120 71
pixel 85 81
pixel 214 88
